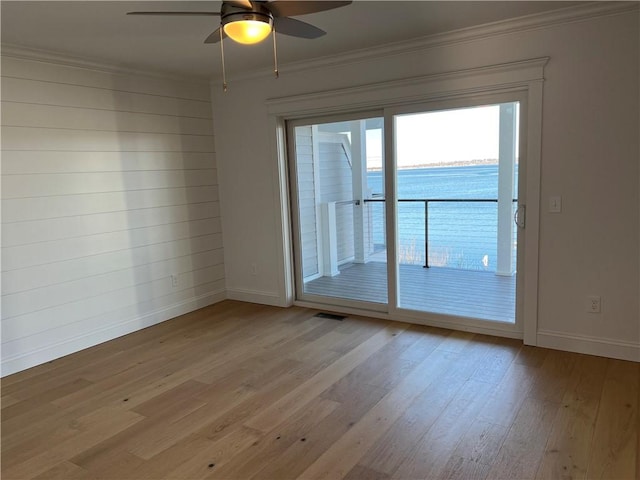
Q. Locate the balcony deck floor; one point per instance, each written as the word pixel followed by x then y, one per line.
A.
pixel 448 291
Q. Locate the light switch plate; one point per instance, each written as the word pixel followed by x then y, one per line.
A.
pixel 555 204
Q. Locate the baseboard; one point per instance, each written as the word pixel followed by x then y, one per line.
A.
pixel 59 349
pixel 601 347
pixel 255 296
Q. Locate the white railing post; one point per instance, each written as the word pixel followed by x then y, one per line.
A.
pixel 506 182
pixel 329 240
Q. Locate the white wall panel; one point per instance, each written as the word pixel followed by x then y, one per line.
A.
pixel 35 115
pixel 53 138
pixel 25 162
pixel 22 256
pixel 20 234
pixel 110 191
pixel 51 93
pixel 51 273
pixel 36 69
pixel 102 327
pixel 91 306
pixel 38 208
pixel 65 292
pixel 45 185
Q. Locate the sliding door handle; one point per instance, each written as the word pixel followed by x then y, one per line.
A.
pixel 520 217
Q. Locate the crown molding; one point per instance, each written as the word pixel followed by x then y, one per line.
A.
pixel 573 14
pixel 505 76
pixel 48 56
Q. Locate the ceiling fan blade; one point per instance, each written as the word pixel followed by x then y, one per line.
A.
pixel 291 9
pixel 296 28
pixel 215 36
pixel 179 14
pixel 240 4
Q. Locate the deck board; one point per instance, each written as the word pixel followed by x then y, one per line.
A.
pixel 448 291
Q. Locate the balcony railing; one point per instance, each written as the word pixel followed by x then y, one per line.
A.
pixel 455 232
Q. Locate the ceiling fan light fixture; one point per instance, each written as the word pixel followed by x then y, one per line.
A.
pixel 247 28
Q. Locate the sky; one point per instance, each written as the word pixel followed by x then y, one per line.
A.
pixel 443 136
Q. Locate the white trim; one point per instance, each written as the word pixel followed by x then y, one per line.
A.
pixel 68 346
pixel 346 260
pixel 602 347
pixel 256 296
pixel 482 80
pixel 311 278
pixel 433 320
pixel 532 153
pixel 536 21
pixel 281 204
pixel 56 58
pixel 478 84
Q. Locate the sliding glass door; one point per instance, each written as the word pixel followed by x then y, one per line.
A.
pixel 456 175
pixel 451 180
pixel 339 212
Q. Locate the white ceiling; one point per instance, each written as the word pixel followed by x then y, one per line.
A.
pixel 101 32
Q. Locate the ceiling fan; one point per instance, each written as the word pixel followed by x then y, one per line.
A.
pixel 251 21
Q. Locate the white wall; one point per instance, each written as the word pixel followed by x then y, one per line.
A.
pixel 590 156
pixel 109 187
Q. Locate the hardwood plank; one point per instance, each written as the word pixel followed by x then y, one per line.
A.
pixel 554 376
pixel 109 460
pixel 217 454
pixel 567 451
pixel 8 401
pixel 251 460
pixel 476 451
pixel 299 455
pixel 505 401
pixel 279 411
pixel 33 403
pixel 532 356
pixel 503 353
pixel 371 399
pixel 524 445
pixel 388 366
pixel 430 455
pixel 164 432
pixel 363 473
pixel 617 423
pixel 90 430
pixel 239 413
pixel 334 464
pixel 64 471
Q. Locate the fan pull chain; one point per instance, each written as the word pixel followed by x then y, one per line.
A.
pixel 275 53
pixel 224 73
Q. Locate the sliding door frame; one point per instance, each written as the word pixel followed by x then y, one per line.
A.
pixel 524 78
pixel 300 295
pixel 391 186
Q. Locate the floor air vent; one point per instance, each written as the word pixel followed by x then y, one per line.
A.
pixel 330 316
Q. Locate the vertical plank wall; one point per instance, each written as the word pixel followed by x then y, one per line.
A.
pixel 110 214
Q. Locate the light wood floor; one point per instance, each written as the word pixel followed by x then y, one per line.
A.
pixel 240 391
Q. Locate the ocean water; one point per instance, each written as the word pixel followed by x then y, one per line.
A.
pixel 460 235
